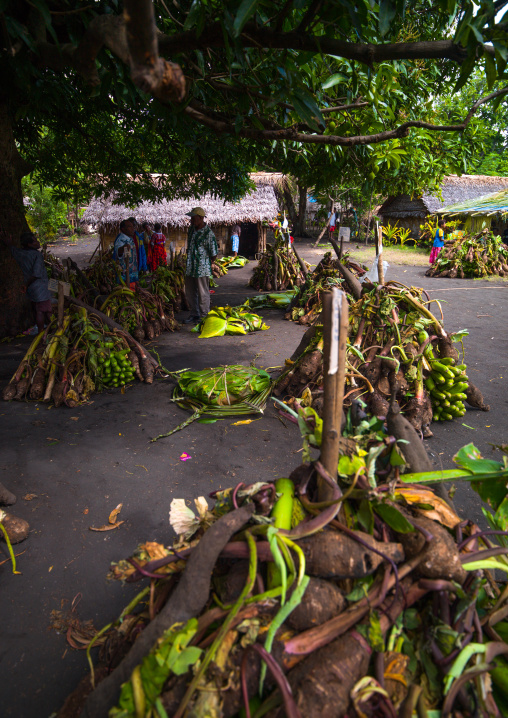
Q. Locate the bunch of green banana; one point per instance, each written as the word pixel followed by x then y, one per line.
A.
pixel 115 368
pixel 447 384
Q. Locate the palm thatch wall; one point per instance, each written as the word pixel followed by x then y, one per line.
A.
pixel 251 212
pixel 410 212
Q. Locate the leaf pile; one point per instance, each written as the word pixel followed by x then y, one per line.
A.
pixel 379 604
pixel 229 320
pixel 275 300
pixel 390 328
pixel 479 255
pixel 227 263
pixel 220 392
pixel 66 365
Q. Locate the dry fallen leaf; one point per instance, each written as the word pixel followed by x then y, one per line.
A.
pixel 440 512
pixel 85 511
pixel 29 497
pixel 114 514
pixel 74 418
pixel 50 438
pixel 109 527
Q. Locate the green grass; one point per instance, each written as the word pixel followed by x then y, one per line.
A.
pixel 407 256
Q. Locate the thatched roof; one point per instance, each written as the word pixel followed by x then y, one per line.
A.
pixel 260 204
pixel 454 189
pixel 488 204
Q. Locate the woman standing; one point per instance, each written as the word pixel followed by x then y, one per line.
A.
pixel 158 248
pixel 438 241
pixel 235 240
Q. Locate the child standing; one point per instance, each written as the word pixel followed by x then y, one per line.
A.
pixel 438 241
pixel 158 247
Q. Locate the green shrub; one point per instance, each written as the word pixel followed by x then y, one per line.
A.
pixel 45 214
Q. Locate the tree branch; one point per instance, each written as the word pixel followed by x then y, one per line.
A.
pixel 151 73
pixel 219 125
pixel 255 36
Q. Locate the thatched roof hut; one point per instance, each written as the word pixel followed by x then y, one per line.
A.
pixel 252 212
pixel 411 212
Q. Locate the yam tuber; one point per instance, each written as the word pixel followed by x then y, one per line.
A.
pixel 321 601
pixel 331 554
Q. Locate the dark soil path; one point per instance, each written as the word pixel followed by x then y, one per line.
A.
pixel 78 464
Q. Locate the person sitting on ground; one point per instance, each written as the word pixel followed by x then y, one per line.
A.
pixel 158 246
pixel 124 252
pixel 201 252
pixel 31 263
pixel 140 246
pixel 235 240
pixel 438 241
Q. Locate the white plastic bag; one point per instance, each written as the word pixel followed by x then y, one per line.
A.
pixel 372 275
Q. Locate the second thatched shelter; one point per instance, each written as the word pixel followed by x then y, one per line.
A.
pixel 252 213
pixel 409 212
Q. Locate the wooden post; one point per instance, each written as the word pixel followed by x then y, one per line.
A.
pixel 300 261
pixel 380 269
pixel 341 245
pixel 61 300
pixel 335 330
pixel 275 269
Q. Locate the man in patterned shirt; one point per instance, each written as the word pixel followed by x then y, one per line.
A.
pixel 201 252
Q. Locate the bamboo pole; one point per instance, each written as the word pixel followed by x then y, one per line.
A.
pixel 335 330
pixel 61 300
pixel 380 270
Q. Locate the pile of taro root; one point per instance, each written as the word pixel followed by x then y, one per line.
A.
pixel 273 602
pixel 307 303
pixel 390 327
pixel 479 255
pixel 277 269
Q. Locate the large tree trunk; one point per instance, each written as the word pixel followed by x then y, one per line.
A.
pixel 300 230
pixel 297 220
pixel 15 309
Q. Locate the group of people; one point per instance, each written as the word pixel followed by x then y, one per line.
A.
pixel 135 251
pixel 139 251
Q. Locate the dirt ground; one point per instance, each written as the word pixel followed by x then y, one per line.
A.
pixel 71 467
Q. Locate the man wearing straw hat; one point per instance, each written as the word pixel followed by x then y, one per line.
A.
pixel 201 252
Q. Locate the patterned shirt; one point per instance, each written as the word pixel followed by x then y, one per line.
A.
pixel 201 247
pixel 129 254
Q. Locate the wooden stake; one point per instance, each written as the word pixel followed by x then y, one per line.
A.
pixel 275 269
pixel 380 270
pixel 341 245
pixel 61 300
pixel 335 330
pixel 300 261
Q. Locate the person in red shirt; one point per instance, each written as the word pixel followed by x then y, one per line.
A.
pixel 158 247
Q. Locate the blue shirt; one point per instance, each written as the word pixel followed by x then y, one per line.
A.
pixel 439 238
pixel 235 242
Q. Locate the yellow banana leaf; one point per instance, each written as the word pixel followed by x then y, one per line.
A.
pixel 235 328
pixel 440 510
pixel 213 327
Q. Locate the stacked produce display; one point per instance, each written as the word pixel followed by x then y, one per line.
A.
pixel 67 363
pixel 466 255
pixel 307 303
pixel 278 268
pixel 378 602
pixel 141 313
pixel 390 327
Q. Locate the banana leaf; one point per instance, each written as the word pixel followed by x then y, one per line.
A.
pixel 220 393
pixel 213 326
